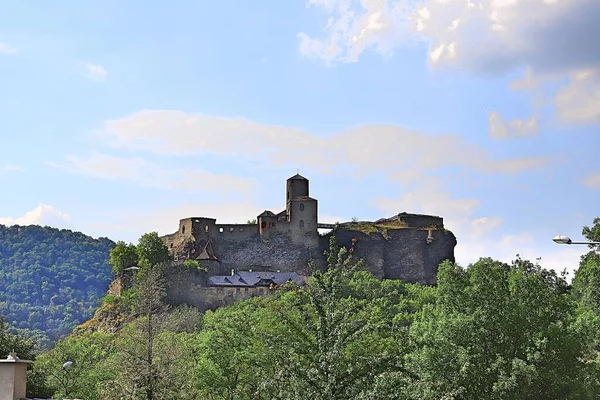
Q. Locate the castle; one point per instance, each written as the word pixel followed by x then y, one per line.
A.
pixel 298 222
pixel 406 246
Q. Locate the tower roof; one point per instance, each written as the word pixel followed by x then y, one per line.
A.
pixel 297 177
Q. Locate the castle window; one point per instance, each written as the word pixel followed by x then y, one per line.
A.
pixel 171 245
pixel 231 229
pixel 301 224
pixel 301 206
pixel 206 228
pixel 272 224
pixel 288 195
pixel 263 224
pixel 221 230
pixel 183 229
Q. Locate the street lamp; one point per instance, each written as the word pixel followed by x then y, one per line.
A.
pixel 562 239
pixel 64 379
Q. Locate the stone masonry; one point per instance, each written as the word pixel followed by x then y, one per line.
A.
pixel 407 246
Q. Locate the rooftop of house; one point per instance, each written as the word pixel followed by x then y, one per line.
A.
pixel 253 278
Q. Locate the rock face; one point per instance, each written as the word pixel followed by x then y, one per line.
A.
pixel 412 255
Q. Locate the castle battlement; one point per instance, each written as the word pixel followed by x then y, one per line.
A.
pixel 405 246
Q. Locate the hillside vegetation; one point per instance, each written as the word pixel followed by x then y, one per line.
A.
pixel 50 280
pixel 491 330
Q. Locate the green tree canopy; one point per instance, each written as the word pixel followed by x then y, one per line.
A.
pixel 50 280
pixel 498 331
pixel 151 250
pixel 123 256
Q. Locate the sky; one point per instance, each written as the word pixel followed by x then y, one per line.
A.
pixel 120 118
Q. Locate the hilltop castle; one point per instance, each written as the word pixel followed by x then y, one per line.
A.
pixel 407 246
pixel 196 236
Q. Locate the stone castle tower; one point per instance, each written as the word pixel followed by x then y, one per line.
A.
pixel 299 218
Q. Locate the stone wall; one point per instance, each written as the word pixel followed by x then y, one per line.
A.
pixel 120 283
pixel 278 252
pixel 412 255
pixel 188 286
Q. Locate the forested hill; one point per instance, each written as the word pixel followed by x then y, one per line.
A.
pixel 50 279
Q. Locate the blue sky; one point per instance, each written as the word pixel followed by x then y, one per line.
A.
pixel 119 118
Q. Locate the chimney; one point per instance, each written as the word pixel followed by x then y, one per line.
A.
pixel 13 377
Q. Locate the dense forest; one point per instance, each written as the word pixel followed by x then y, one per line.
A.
pixel 50 280
pixel 490 330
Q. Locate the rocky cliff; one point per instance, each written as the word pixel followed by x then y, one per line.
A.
pixel 412 255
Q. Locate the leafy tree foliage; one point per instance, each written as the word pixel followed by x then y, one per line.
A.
pixel 592 233
pixel 123 256
pixel 498 331
pixel 586 283
pixel 50 279
pixel 81 378
pixel 151 250
pixel 488 331
pixel 337 338
pixel 10 342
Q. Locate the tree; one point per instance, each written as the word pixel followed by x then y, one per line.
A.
pixel 138 361
pixel 87 351
pixel 151 250
pixel 586 283
pixel 9 342
pixel 498 331
pixel 586 291
pixel 50 279
pixel 592 233
pixel 234 362
pixel 123 256
pixel 334 341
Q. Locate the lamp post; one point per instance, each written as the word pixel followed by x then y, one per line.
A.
pixel 63 380
pixel 562 239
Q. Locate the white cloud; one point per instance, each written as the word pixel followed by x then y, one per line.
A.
pixel 11 168
pixel 579 100
pixel 592 180
pixel 550 39
pixel 503 129
pixel 43 214
pixel 6 49
pixel 94 72
pixel 380 148
pixel 144 173
pixel 495 36
pixel 350 31
pixel 403 155
pixel 484 225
